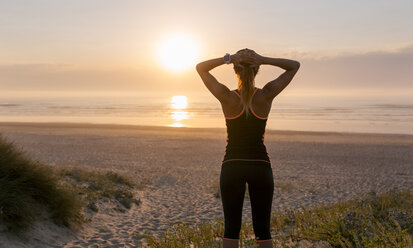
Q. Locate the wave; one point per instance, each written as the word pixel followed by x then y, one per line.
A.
pixel 393 106
pixel 9 105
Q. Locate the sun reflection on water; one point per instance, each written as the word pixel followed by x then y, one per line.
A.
pixel 178 105
pixel 179 115
pixel 179 102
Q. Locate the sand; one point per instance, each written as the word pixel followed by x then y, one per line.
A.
pixel 181 169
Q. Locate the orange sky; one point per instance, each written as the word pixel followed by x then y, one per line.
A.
pixel 86 45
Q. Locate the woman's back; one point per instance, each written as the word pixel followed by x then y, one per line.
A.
pixel 246 131
pixel 260 106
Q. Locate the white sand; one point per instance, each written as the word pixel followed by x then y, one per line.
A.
pixel 182 164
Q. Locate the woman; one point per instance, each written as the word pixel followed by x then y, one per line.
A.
pixel 246 160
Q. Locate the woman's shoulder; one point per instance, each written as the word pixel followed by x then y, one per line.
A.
pixel 260 98
pixel 258 94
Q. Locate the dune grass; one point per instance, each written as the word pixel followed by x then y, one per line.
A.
pixel 93 186
pixel 27 187
pixel 384 220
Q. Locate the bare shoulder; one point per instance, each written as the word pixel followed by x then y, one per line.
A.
pixel 234 99
pixel 261 103
pixel 261 97
pixel 233 104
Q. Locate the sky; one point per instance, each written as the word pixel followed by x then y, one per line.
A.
pixel 102 45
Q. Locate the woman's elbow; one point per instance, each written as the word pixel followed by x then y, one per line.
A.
pixel 198 67
pixel 297 65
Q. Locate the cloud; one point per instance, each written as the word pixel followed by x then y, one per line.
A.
pixel 368 70
pixel 55 77
pixel 373 70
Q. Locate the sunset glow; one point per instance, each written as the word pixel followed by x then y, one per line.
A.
pixel 134 62
pixel 178 53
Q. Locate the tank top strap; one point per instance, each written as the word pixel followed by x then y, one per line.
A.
pixel 252 110
pixel 236 92
pixel 254 92
pixel 242 111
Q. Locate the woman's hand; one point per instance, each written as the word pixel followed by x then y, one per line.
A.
pixel 247 56
pixel 236 58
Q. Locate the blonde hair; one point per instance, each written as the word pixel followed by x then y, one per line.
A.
pixel 246 83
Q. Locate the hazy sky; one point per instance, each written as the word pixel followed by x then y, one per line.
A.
pixel 112 45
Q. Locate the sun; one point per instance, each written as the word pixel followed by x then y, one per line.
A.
pixel 178 52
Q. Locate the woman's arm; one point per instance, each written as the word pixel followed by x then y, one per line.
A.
pixel 273 88
pixel 220 91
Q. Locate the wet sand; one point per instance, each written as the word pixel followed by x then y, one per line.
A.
pixel 181 169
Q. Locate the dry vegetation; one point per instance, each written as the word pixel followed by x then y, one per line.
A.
pixel 384 220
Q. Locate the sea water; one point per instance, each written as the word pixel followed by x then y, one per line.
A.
pixel 372 114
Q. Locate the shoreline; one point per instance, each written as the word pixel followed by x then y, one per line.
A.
pixel 208 133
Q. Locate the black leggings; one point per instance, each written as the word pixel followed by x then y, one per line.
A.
pixel 258 175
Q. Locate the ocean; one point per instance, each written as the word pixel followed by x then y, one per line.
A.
pixel 362 114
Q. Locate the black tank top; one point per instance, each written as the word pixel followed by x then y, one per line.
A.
pixel 245 140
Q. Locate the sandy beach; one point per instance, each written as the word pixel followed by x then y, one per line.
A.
pixel 180 170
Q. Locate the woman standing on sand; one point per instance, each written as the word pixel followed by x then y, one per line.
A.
pixel 246 159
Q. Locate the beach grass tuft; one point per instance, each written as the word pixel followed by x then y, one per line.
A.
pixel 94 186
pixel 26 187
pixel 374 220
pixel 197 234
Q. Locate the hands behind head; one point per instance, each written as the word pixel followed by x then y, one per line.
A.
pixel 246 57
